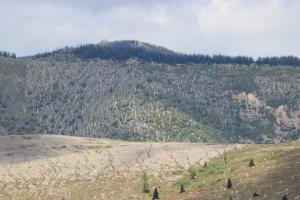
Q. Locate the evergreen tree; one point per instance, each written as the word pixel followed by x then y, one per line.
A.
pixel 182 189
pixel 145 183
pixel 229 183
pixel 251 163
pixel 124 50
pixel 284 197
pixel 192 172
pixel 225 157
pixel 205 164
pixel 155 194
pixel 255 194
pixel 7 54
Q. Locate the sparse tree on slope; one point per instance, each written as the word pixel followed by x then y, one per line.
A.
pixel 251 163
pixel 192 171
pixel 284 197
pixel 229 184
pixel 182 189
pixel 145 183
pixel 155 194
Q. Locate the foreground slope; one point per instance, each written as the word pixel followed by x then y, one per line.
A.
pixel 56 167
pixel 276 173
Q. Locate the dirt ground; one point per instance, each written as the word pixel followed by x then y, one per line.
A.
pixel 57 167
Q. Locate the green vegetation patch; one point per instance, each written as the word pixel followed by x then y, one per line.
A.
pixel 272 167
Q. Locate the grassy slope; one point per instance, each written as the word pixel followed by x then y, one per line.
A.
pixel 276 173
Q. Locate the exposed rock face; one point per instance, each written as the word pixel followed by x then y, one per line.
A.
pixel 287 120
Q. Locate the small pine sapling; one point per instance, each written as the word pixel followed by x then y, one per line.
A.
pixel 225 157
pixel 182 189
pixel 284 197
pixel 229 183
pixel 155 194
pixel 251 163
pixel 145 183
pixel 192 171
pixel 255 194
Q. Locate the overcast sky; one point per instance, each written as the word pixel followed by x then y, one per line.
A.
pixel 230 27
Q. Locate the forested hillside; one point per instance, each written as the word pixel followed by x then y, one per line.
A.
pixel 123 50
pixel 112 94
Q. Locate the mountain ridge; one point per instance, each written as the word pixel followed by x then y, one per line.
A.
pixel 136 100
pixel 125 49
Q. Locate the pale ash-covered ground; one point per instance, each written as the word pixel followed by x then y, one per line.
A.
pixel 56 167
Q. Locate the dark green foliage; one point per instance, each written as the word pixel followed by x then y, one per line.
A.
pixel 225 157
pixel 128 49
pixel 192 172
pixel 277 102
pixel 114 123
pixel 205 164
pixel 283 60
pixel 251 163
pixel 123 50
pixel 229 183
pixel 145 183
pixel 155 194
pixel 181 189
pixel 283 100
pixel 284 197
pixel 7 54
pixel 255 194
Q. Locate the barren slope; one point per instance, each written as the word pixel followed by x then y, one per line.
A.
pixel 56 167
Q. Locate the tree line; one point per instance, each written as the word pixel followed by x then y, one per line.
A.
pixel 90 51
pixel 122 53
pixel 283 60
pixel 7 54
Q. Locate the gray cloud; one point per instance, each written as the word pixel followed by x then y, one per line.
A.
pixel 232 27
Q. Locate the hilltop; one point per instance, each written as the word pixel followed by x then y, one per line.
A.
pixel 135 91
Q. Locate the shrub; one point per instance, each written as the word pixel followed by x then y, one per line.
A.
pixel 192 173
pixel 184 181
pixel 145 183
pixel 225 157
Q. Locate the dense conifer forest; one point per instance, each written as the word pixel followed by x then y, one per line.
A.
pixel 124 50
pixel 7 54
